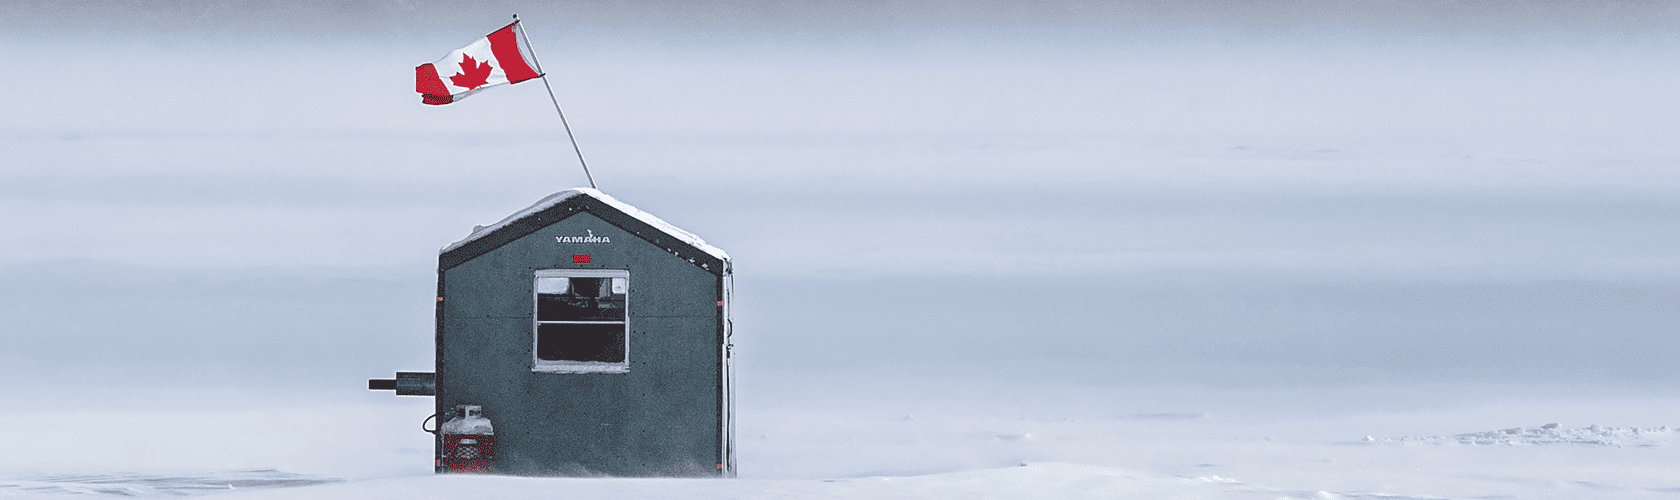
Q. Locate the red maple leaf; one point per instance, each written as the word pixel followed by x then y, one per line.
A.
pixel 473 73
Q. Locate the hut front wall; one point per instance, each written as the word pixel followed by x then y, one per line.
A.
pixel 661 418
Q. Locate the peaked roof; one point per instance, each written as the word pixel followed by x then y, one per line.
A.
pixel 558 206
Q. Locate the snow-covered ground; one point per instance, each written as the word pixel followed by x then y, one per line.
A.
pixel 977 441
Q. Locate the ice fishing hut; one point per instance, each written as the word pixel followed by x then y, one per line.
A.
pixel 579 337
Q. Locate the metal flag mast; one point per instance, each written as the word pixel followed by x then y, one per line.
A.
pixel 556 102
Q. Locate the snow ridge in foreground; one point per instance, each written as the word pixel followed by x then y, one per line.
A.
pixel 1028 481
pixel 132 485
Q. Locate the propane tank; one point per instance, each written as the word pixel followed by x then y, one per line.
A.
pixel 469 441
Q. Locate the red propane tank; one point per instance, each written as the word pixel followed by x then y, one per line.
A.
pixel 469 441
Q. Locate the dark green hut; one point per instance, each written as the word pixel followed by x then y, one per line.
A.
pixel 593 335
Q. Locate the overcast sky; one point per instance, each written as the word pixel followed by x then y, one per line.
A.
pixel 1303 184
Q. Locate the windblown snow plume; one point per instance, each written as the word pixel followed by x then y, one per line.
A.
pixel 1593 435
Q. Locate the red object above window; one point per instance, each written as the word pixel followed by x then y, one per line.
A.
pixel 581 258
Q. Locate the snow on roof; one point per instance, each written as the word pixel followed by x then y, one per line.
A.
pixel 557 198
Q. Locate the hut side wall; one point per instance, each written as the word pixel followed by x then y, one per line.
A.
pixel 662 418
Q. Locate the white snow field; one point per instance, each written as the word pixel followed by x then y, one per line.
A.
pixel 994 440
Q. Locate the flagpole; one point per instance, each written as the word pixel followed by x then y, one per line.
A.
pixel 556 102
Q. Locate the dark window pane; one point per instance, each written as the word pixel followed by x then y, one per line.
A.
pixel 571 342
pixel 590 287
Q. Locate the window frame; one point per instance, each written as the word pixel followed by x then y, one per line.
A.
pixel 568 366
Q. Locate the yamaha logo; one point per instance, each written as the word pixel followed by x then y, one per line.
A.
pixel 591 238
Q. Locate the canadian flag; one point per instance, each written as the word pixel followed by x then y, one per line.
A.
pixel 488 62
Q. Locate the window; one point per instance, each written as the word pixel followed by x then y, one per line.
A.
pixel 580 321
